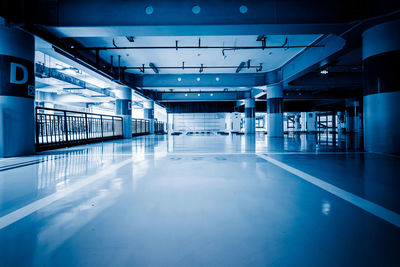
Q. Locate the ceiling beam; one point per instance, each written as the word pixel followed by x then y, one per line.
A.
pixel 42 71
pixel 196 80
pixel 199 96
pixel 306 60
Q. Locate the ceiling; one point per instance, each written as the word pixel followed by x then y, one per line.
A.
pixel 75 27
pixel 270 58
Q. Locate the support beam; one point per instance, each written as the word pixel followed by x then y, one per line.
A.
pixel 42 71
pixel 196 80
pixel 17 92
pixel 381 55
pixel 352 116
pixel 123 105
pixel 199 96
pixel 305 61
pixel 149 114
pixel 275 110
pixel 250 116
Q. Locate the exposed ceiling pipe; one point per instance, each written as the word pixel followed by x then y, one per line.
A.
pixel 196 47
pixel 201 67
pixel 240 67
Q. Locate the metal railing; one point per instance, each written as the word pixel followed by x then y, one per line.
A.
pixel 158 127
pixel 62 128
pixel 140 127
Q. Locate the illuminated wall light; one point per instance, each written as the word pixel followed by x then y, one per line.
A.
pixel 185 94
pixel 196 9
pixel 179 79
pixel 198 94
pixel 198 79
pixel 217 79
pixel 211 94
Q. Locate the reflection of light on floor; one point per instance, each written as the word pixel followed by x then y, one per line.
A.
pixel 139 170
pixel 326 207
pixel 73 217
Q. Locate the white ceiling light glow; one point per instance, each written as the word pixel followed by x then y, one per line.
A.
pixel 196 9
pixel 149 10
pixel 243 9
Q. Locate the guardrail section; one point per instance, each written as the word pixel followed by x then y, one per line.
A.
pixel 61 128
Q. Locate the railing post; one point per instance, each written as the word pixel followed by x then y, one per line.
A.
pixel 66 127
pixel 101 123
pixel 86 127
pixel 112 118
pixel 122 126
pixel 37 128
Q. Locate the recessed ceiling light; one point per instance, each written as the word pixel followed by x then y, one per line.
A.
pixel 196 9
pixel 179 79
pixel 217 79
pixel 243 9
pixel 198 79
pixel 149 10
pixel 324 72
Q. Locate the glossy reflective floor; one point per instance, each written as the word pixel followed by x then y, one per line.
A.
pixel 202 200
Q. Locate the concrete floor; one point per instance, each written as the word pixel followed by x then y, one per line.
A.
pixel 304 200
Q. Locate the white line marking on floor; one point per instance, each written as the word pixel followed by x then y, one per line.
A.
pixel 313 153
pixel 27 210
pixel 364 204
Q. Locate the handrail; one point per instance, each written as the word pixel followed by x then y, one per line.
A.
pixel 66 129
pixel 78 112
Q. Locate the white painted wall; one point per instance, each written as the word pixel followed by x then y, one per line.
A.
pixel 198 121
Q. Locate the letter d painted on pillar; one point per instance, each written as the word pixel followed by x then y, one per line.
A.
pixel 13 74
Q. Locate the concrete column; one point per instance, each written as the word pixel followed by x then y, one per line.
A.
pixel 148 107
pixel 352 116
pixel 123 105
pixel 17 92
pixel 250 116
pixel 311 121
pixel 303 121
pixel 297 124
pixel 340 125
pixel 381 108
pixel 275 110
